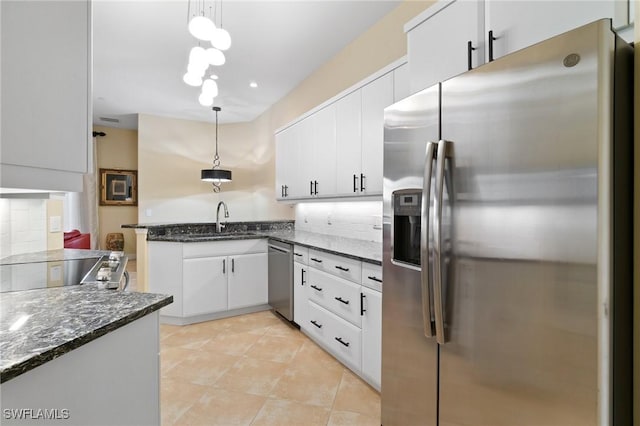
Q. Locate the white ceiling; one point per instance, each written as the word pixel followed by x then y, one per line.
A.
pixel 141 49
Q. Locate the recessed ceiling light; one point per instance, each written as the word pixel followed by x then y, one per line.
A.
pixel 214 77
pixel 253 84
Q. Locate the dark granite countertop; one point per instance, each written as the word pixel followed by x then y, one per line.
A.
pixel 60 319
pixel 367 251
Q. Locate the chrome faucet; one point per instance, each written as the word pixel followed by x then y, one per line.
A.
pixel 219 225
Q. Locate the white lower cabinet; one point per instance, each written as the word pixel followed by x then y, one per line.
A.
pixel 371 336
pixel 342 309
pixel 204 285
pixel 209 280
pixel 248 280
pixel 340 337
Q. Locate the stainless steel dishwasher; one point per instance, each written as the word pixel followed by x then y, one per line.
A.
pixel 281 278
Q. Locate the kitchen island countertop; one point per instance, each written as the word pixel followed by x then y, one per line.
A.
pixel 37 326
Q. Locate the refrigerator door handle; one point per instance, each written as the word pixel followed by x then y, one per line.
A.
pixel 424 239
pixel 438 304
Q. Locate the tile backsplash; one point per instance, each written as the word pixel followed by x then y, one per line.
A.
pixel 352 219
pixel 22 226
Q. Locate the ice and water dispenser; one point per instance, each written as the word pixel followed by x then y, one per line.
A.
pixel 407 205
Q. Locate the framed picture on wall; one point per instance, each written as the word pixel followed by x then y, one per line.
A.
pixel 118 187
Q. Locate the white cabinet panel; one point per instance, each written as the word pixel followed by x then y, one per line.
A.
pixel 248 280
pixel 372 276
pixel 335 294
pixel 300 275
pixel 323 161
pixel 284 164
pixel 376 96
pixel 437 48
pixel 165 274
pixel 205 285
pixel 372 336
pixel 348 143
pixel 401 83
pixel 301 254
pixel 46 80
pixel 518 24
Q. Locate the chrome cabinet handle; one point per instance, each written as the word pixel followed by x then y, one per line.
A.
pixel 424 239
pixel 437 241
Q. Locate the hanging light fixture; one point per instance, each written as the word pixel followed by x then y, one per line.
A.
pixel 215 174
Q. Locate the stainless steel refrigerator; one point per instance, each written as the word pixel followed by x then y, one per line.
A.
pixel 507 241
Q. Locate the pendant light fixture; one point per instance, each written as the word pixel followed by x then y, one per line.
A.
pixel 215 174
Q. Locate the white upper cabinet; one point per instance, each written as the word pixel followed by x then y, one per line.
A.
pixel 336 150
pixel 323 146
pixel 349 143
pixel 401 87
pixel 438 42
pixel 518 24
pixel 453 36
pixel 46 94
pixel 376 96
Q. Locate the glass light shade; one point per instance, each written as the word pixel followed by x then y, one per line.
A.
pixel 192 79
pixel 202 27
pixel 205 99
pixel 210 88
pixel 198 57
pixel 221 39
pixel 215 175
pixel 215 57
pixel 197 69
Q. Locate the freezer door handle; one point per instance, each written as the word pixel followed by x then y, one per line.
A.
pixel 443 152
pixel 424 239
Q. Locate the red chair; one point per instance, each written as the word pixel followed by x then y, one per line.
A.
pixel 77 240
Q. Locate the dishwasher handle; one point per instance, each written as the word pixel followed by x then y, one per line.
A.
pixel 278 248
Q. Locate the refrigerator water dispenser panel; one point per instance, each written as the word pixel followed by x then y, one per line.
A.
pixel 406 226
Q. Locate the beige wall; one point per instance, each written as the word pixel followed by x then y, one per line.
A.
pixel 117 150
pixel 172 152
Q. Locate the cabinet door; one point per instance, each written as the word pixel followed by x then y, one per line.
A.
pixel 401 82
pixel 348 143
pixel 376 96
pixel 204 282
pixel 248 280
pixel 323 161
pixel 283 162
pixel 371 335
pixel 165 273
pixel 437 48
pixel 299 293
pixel 46 76
pixel 518 24
pixel 304 137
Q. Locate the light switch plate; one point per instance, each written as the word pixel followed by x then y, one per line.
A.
pixel 55 224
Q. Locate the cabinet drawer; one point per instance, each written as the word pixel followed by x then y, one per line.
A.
pixel 223 248
pixel 340 266
pixel 341 338
pixel 335 294
pixel 372 276
pixel 301 254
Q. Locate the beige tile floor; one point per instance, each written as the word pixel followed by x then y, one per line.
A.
pixel 255 369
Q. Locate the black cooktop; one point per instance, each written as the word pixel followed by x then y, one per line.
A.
pixel 28 276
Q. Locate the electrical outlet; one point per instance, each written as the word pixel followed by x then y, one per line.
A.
pixel 148 212
pixel 377 222
pixel 55 224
